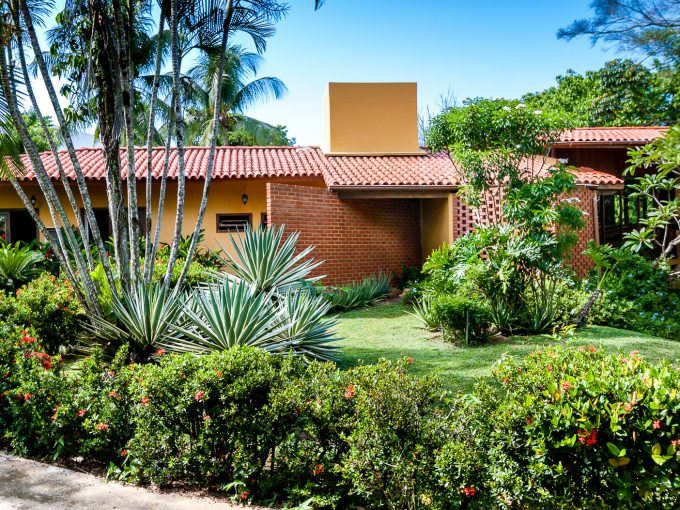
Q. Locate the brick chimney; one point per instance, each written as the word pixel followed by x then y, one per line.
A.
pixel 366 119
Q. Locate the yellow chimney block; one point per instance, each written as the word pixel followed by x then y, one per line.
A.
pixel 371 119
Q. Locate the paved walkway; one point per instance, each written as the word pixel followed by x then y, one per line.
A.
pixel 30 485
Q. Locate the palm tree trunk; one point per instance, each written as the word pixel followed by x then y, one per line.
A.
pixel 229 11
pixel 179 130
pixel 123 29
pixel 57 212
pixel 148 249
pixel 108 86
pixel 53 147
pixel 80 178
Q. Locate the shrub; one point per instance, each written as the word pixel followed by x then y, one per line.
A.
pixel 462 319
pixel 209 418
pixel 586 428
pixel 49 305
pixel 358 294
pixel 18 265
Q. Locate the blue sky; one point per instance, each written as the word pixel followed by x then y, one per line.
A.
pixel 484 48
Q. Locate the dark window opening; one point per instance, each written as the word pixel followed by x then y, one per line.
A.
pixel 233 222
pixel 17 225
pixel 263 220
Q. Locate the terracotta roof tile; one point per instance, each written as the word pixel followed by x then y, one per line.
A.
pixel 633 135
pixel 230 162
pixel 427 170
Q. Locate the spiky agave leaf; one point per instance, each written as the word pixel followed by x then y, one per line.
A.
pixel 228 314
pixel 309 334
pixel 267 261
pixel 18 266
pixel 145 317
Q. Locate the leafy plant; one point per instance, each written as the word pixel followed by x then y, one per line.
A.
pixel 463 319
pixel 267 261
pixel 18 266
pixel 424 312
pixel 359 294
pixel 146 317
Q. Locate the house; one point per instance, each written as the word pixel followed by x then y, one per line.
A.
pixel 369 198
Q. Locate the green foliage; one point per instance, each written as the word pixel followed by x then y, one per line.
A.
pixel 463 319
pixel 49 306
pixel 565 427
pixel 659 228
pixel 595 429
pixel 18 266
pixel 144 318
pixel 267 261
pixel 622 93
pixel 423 310
pixel 358 294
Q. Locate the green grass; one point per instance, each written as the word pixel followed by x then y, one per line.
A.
pixel 388 331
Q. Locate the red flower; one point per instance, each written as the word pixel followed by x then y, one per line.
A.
pixel 206 417
pixel 505 380
pixel 27 396
pixel 628 407
pixel 245 495
pixel 675 442
pixel 592 349
pixel 587 438
pixel 199 395
pixel 160 352
pixel 81 412
pixel 409 360
pixel 656 424
pixel 27 339
pixel 318 469
pixel 113 394
pixel 566 385
pixel 123 453
pixel 219 374
pixel 102 426
pixel 47 363
pixel 634 354
pixel 469 491
pixel 145 401
pixel 350 391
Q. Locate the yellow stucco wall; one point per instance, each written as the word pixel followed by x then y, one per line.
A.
pixel 225 197
pixel 436 223
pixel 371 118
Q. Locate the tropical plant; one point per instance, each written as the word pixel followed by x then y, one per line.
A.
pixel 267 261
pixel 309 333
pixel 18 265
pixel 145 318
pixel 422 310
pixel 361 293
pixel 227 315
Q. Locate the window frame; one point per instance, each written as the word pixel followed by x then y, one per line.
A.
pixel 249 217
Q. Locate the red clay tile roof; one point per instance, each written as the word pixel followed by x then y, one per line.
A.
pixel 386 171
pixel 632 135
pixel 339 172
pixel 230 162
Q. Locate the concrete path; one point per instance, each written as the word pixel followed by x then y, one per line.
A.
pixel 30 485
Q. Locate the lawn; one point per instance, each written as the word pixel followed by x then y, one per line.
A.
pixel 388 330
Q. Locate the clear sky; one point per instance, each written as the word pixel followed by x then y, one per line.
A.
pixel 489 48
pixel 482 48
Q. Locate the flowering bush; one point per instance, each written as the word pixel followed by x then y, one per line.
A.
pixel 589 428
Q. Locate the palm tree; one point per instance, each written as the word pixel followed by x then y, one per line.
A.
pixel 237 94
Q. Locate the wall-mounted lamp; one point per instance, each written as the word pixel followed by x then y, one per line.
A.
pixel 244 199
pixel 33 200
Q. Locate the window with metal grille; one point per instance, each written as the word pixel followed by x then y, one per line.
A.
pixel 233 222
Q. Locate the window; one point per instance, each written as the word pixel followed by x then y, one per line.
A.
pixel 233 222
pixel 263 220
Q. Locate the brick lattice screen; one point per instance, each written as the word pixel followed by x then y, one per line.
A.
pixel 355 238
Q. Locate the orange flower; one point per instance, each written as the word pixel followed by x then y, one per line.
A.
pixel 123 453
pixel 199 395
pixel 350 391
pixel 318 469
pixel 145 401
pixel 206 417
pixel 27 396
pixel 102 426
pixel 592 349
pixel 409 360
pixel 656 424
pixel 81 412
pixel 160 352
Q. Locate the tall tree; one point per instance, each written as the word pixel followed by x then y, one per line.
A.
pixel 649 26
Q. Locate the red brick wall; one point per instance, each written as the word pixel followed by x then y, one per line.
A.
pixel 355 238
pixel 464 220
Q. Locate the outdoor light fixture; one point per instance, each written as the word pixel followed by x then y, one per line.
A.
pixel 244 199
pixel 33 200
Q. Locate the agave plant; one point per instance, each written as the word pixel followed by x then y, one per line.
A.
pixel 309 334
pixel 18 265
pixel 229 314
pixel 146 317
pixel 268 262
pixel 361 293
pixel 422 310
